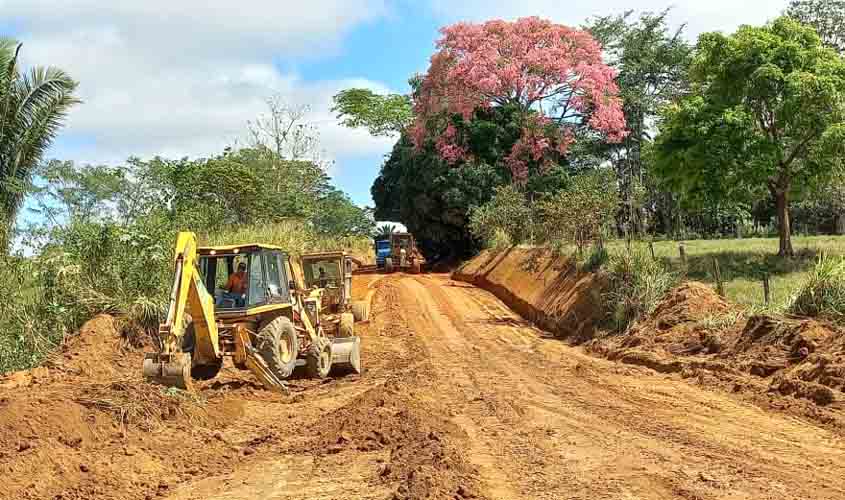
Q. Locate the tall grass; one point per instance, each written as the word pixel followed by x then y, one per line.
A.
pixel 822 294
pixel 636 283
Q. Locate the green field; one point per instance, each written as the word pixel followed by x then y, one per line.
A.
pixel 744 262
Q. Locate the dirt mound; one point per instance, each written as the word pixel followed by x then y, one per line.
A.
pixel 425 457
pixel 692 319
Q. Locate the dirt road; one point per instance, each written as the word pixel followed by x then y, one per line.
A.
pixel 463 399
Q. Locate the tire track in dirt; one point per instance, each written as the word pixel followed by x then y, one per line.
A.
pixel 546 421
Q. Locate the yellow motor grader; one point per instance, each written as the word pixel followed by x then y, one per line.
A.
pixel 268 325
pixel 328 276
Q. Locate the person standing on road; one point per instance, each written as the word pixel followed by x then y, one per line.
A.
pixel 403 254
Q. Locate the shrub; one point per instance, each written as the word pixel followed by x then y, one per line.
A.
pixel 579 212
pixel 636 283
pixel 505 219
pixel 822 294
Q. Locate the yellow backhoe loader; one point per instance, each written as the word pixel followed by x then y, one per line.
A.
pixel 258 316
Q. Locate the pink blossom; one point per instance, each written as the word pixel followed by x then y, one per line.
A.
pixel 531 62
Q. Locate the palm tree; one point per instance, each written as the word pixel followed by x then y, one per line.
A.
pixel 33 107
pixel 385 230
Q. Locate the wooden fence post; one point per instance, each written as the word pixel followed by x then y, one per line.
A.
pixel 717 273
pixel 683 257
pixel 767 290
pixel 651 246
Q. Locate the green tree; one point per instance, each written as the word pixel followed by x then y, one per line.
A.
pixel 33 106
pixel 580 212
pixel 381 115
pixel 652 62
pixel 82 193
pixel 337 215
pixel 767 110
pixel 505 219
pixel 385 230
pixel 827 17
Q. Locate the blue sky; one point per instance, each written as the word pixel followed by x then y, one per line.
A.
pixel 180 78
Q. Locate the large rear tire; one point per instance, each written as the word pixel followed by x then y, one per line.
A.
pixel 318 362
pixel 279 346
pixel 198 372
pixel 361 310
pixel 346 327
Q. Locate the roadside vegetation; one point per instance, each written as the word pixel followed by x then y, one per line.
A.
pixel 731 144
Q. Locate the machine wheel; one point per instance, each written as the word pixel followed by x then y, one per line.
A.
pixel 199 372
pixel 361 310
pixel 318 362
pixel 388 265
pixel 346 327
pixel 415 268
pixel 279 346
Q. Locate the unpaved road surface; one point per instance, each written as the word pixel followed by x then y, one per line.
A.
pixel 464 399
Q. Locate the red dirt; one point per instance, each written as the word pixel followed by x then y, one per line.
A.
pixel 542 287
pixel 693 333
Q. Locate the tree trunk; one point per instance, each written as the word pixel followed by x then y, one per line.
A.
pixel 840 224
pixel 784 227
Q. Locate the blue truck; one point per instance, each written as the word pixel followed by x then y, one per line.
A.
pixel 382 248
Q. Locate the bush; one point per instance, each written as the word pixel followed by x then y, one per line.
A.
pixel 822 294
pixel 505 220
pixel 636 283
pixel 582 210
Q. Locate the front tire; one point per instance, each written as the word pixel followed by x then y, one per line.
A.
pixel 318 362
pixel 278 344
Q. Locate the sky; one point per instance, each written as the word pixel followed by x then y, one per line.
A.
pixel 182 77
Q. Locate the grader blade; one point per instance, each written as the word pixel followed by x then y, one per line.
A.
pixel 171 370
pixel 346 354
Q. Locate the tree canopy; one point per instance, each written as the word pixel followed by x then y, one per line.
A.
pixel 553 74
pixel 767 110
pixel 827 17
pixel 33 107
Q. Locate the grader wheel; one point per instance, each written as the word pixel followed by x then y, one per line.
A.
pixel 318 362
pixel 279 346
pixel 416 268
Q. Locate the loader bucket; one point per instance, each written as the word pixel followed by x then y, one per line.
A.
pixel 346 354
pixel 171 370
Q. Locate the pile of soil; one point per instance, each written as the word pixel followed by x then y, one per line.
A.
pixel 692 319
pixel 425 457
pixel 85 425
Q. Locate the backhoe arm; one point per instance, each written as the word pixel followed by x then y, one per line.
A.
pixel 188 297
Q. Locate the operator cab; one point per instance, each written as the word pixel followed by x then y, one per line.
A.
pixel 267 277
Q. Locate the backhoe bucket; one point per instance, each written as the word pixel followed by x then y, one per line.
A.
pixel 346 354
pixel 171 370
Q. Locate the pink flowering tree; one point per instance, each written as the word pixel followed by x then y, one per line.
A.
pixel 554 76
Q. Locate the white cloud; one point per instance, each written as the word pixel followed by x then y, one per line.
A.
pixel 182 77
pixel 699 15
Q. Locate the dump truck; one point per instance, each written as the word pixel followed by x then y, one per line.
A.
pixel 267 324
pixel 402 254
